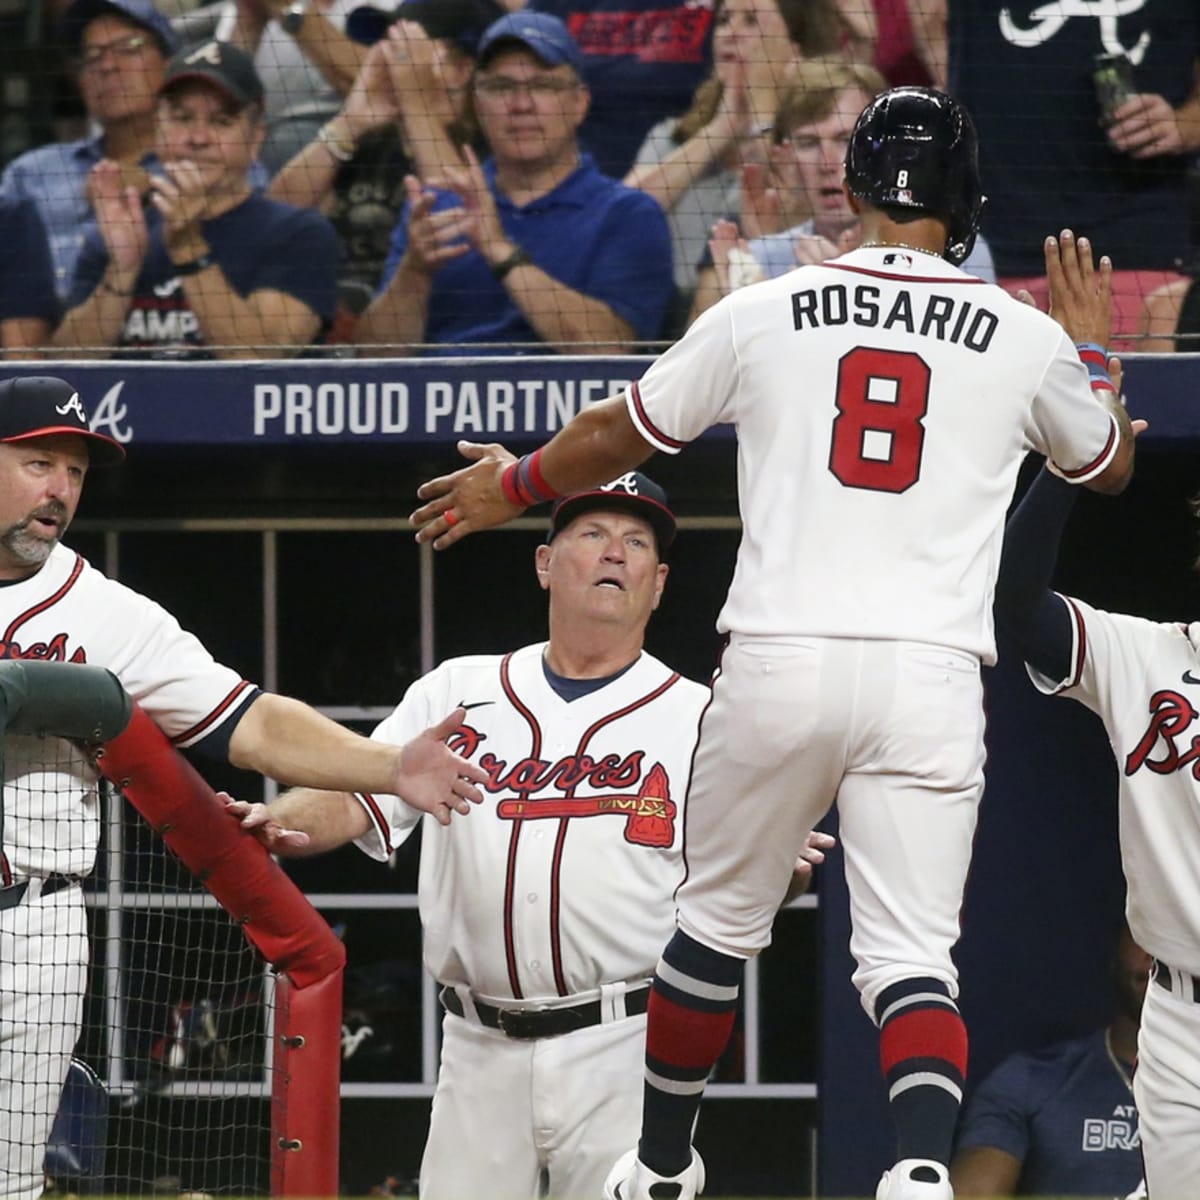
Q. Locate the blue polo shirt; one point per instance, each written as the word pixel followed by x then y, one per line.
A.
pixel 54 177
pixel 591 233
pixel 26 280
pixel 1066 1113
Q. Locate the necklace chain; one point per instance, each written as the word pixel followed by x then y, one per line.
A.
pixel 900 246
pixel 1116 1062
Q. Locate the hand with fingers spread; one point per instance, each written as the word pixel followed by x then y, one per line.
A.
pixel 121 221
pixel 484 229
pixel 1146 126
pixel 435 236
pixel 431 778
pixel 466 501
pixel 1080 295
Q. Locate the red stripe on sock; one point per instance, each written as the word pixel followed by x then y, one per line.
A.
pixel 926 1033
pixel 685 1037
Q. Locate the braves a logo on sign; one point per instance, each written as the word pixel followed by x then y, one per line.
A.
pixel 1171 715
pixel 649 811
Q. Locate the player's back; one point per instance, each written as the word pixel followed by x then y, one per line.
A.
pixel 883 404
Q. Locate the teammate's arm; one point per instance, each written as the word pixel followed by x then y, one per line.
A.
pixel 984 1171
pixel 1035 618
pixel 599 444
pixel 294 744
pixel 303 821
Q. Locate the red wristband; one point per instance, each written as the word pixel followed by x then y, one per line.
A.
pixel 511 487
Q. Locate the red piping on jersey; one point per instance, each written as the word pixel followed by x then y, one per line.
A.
pixel 833 266
pixel 375 813
pixel 1080 642
pixel 510 874
pixel 1112 433
pixel 636 393
pixel 6 875
pixel 49 601
pixel 560 981
pixel 204 725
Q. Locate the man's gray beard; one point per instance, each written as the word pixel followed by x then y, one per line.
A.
pixel 26 548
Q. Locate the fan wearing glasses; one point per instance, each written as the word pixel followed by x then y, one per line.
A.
pixel 533 248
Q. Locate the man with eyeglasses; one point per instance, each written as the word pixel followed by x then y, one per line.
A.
pixel 120 50
pixel 535 246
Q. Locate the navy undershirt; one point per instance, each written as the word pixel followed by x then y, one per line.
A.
pixel 572 689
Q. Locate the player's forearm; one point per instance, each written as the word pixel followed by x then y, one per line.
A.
pixel 397 317
pixel 294 744
pixel 600 444
pixel 331 819
pixel 567 320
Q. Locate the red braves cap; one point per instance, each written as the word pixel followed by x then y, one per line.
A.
pixel 635 493
pixel 39 405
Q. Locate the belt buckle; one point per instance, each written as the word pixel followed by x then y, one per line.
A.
pixel 519 1024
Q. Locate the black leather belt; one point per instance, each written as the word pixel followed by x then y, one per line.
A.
pixel 11 896
pixel 1163 976
pixel 528 1023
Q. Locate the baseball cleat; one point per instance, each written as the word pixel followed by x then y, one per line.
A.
pixel 915 1179
pixel 631 1179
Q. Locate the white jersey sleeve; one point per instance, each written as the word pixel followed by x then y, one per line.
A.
pixel 1067 424
pixel 1142 678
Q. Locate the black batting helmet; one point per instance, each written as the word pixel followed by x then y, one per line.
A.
pixel 917 148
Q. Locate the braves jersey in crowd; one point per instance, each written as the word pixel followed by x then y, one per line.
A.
pixel 1066 1112
pixel 883 403
pixel 69 612
pixel 1142 678
pixel 563 879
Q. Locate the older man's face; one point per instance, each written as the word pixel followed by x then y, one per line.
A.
pixel 121 68
pixel 40 483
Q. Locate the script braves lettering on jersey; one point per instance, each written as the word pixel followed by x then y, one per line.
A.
pixel 1048 19
pixel 1171 717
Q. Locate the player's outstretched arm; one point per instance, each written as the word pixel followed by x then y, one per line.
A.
pixel 294 744
pixel 600 444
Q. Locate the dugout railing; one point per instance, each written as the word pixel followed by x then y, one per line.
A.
pixel 300 1052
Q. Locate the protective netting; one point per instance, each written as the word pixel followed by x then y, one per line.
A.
pixel 130 969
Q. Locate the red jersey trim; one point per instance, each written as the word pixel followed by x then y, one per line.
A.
pixel 1080 643
pixel 214 717
pixel 49 602
pixel 377 819
pixel 901 278
pixel 1098 461
pixel 648 425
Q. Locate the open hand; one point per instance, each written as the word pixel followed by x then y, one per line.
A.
pixel 471 496
pixel 1080 295
pixel 431 778
pixel 256 819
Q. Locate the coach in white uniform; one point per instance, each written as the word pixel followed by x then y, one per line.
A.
pixel 54 606
pixel 1142 678
pixel 883 403
pixel 544 915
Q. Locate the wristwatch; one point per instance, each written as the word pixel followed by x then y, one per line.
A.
pixel 293 17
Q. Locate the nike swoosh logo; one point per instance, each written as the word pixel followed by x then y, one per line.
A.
pixel 481 703
pixel 1188 677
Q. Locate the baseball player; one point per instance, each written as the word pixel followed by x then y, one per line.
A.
pixel 543 921
pixel 1142 678
pixel 883 403
pixel 54 606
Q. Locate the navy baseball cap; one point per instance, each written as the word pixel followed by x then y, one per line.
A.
pixel 542 34
pixel 41 405
pixel 635 493
pixel 226 67
pixel 81 13
pixel 460 21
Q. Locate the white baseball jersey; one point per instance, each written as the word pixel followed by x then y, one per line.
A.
pixel 69 612
pixel 564 878
pixel 883 403
pixel 1142 678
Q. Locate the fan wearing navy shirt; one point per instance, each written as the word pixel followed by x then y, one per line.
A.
pixel 210 268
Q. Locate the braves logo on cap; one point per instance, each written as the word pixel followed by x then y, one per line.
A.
pixel 627 483
pixel 74 405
